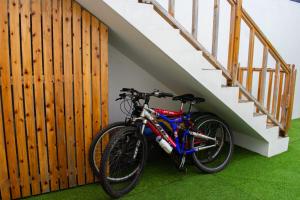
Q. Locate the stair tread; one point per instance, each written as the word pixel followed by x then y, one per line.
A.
pixel 271 126
pixel 258 114
pixel 226 86
pixel 244 101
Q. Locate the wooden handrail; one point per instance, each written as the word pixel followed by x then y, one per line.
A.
pixel 280 103
pixel 264 39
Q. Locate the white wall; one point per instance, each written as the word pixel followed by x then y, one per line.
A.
pixel 278 19
pixel 123 72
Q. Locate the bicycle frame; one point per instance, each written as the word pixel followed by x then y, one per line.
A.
pixel 149 118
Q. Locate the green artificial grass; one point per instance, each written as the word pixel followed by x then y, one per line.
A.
pixel 248 176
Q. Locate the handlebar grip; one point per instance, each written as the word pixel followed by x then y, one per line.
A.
pixel 126 89
pixel 168 95
pixel 164 94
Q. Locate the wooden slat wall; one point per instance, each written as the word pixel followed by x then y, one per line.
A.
pixel 51 50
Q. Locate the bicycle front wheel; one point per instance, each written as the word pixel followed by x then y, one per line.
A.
pixel 123 161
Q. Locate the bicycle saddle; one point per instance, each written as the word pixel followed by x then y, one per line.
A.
pixel 189 98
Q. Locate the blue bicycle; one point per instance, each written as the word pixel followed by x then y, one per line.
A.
pixel 206 138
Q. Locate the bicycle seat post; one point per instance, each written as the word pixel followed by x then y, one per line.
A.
pixel 181 107
pixel 190 107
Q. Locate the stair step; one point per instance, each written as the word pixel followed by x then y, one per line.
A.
pixel 258 114
pixel 271 126
pixel 244 101
pixel 145 1
pixel 226 86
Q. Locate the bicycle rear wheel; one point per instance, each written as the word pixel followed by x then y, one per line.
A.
pixel 213 159
pixel 123 161
pixel 99 143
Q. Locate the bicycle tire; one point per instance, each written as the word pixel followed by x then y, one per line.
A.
pixel 112 147
pixel 98 141
pixel 203 164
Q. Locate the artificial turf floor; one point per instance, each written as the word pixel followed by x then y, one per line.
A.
pixel 248 176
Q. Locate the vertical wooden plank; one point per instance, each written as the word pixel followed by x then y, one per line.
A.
pixel 250 60
pixel 39 94
pixel 28 97
pixel 276 88
pixel 77 53
pixel 171 7
pixel 87 101
pixel 96 75
pixel 262 80
pixel 68 70
pixel 104 74
pixel 236 39
pixel 195 18
pixel 4 189
pixel 231 37
pixel 104 79
pixel 15 52
pixel 59 91
pixel 284 101
pixel 7 102
pixel 216 22
pixel 279 96
pixel 270 90
pixel 49 93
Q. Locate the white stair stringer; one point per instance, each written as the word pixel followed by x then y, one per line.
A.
pixel 137 26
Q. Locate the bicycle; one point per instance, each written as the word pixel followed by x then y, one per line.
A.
pixel 209 141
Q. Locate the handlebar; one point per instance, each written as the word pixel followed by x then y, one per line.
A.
pixel 136 95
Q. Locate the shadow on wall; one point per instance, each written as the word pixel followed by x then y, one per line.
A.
pixel 123 72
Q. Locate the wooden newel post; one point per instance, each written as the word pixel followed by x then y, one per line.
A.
pixel 234 47
pixel 235 70
pixel 290 100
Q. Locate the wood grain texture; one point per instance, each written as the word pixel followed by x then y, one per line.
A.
pixel 51 104
pixel 15 60
pixel 39 94
pixel 96 91
pixel 4 189
pixel 104 74
pixel 68 70
pixel 49 93
pixel 250 61
pixel 279 96
pixel 87 89
pixel 10 141
pixel 291 98
pixel 77 62
pixel 270 83
pixel 29 97
pixel 284 99
pixel 262 79
pixel 59 91
pixel 275 89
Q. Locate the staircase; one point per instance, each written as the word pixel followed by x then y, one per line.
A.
pixel 172 54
